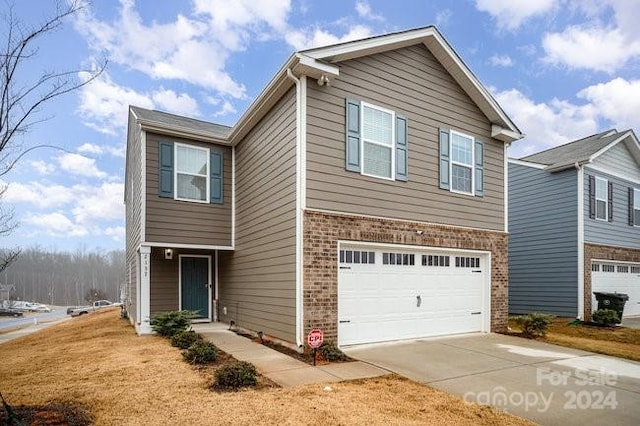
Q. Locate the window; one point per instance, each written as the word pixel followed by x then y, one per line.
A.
pixel 595 267
pixel 433 260
pixel 635 269
pixel 467 262
pixel 608 268
pixel 376 141
pixel 623 269
pixel 601 198
pixel 636 207
pixel 359 257
pixel 461 163
pixel 192 173
pixel 404 259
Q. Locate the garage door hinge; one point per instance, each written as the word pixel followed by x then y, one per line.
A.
pixel 344 321
pixel 476 313
pixel 478 271
pixel 345 267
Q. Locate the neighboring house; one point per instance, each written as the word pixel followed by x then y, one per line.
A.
pixel 574 222
pixel 7 292
pixel 362 193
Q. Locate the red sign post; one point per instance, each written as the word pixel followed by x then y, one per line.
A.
pixel 315 340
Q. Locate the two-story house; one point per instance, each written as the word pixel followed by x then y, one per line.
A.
pixel 362 193
pixel 574 223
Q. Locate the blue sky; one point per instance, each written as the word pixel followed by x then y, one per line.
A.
pixel 562 69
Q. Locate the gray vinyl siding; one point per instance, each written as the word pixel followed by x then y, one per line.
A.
pixel 133 212
pixel 183 222
pixel 616 233
pixel 413 83
pixel 618 161
pixel 257 279
pixel 543 241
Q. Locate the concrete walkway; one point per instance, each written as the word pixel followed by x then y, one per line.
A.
pixel 283 369
pixel 28 329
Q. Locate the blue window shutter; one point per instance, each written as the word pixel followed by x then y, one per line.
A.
pixel 165 172
pixel 479 168
pixel 631 207
pixel 215 176
pixel 592 197
pixel 352 135
pixel 444 159
pixel 402 149
pixel 610 201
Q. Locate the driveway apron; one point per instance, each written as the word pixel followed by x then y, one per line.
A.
pixel 548 384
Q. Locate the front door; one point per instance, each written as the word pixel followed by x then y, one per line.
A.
pixel 195 284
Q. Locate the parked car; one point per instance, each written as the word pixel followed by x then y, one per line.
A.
pixel 38 307
pixel 10 312
pixel 98 304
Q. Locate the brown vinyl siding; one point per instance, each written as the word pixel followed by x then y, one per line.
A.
pixel 183 222
pixel 257 280
pixel 133 213
pixel 411 82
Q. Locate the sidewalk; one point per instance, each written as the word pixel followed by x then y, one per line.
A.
pixel 283 369
pixel 28 329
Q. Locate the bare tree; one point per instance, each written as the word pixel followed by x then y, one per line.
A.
pixel 21 99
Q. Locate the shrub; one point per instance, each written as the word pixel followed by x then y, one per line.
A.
pixel 184 339
pixel 201 352
pixel 534 324
pixel 169 323
pixel 330 352
pixel 237 375
pixel 606 317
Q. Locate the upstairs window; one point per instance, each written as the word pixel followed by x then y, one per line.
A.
pixel 601 198
pixel 634 203
pixel 461 164
pixel 192 173
pixel 376 141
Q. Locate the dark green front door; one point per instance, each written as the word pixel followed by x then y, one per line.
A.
pixel 194 281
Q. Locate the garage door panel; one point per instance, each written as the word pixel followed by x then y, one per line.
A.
pixel 382 302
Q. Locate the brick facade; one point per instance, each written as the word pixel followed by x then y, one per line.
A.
pixel 600 252
pixel 322 231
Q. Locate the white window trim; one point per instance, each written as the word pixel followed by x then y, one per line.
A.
pixel 606 199
pixel 175 173
pixel 636 205
pixel 393 141
pixel 473 163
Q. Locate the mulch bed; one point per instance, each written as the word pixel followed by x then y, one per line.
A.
pixel 306 356
pixel 54 414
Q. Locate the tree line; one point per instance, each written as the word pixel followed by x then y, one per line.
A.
pixel 65 278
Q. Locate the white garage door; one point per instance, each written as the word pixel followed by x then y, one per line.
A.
pixel 390 293
pixel 617 278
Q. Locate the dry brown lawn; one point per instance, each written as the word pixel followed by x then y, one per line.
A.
pixel 122 379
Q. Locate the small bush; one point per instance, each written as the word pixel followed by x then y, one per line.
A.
pixel 169 323
pixel 534 324
pixel 201 352
pixel 330 352
pixel 606 317
pixel 184 339
pixel 237 375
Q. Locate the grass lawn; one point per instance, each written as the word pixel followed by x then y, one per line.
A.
pixel 621 342
pixel 97 361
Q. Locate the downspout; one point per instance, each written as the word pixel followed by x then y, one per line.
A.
pixel 580 174
pixel 299 204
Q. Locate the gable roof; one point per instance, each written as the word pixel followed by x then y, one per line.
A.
pixel 320 63
pixel 585 150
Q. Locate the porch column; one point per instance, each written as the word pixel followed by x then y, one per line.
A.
pixel 145 291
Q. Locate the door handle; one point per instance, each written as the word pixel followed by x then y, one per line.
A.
pixel 418 301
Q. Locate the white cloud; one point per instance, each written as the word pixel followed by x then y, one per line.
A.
pixel 599 49
pixel 501 61
pixel 42 167
pixel 56 224
pixel 443 17
pixel 39 194
pixel 546 124
pixel 510 14
pixel 363 8
pixel 315 37
pixel 115 150
pixel 99 203
pixel 181 104
pixel 80 165
pixel 617 101
pixel 91 148
pixel 117 233
pixel 227 108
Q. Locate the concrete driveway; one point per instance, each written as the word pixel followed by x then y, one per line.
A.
pixel 545 383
